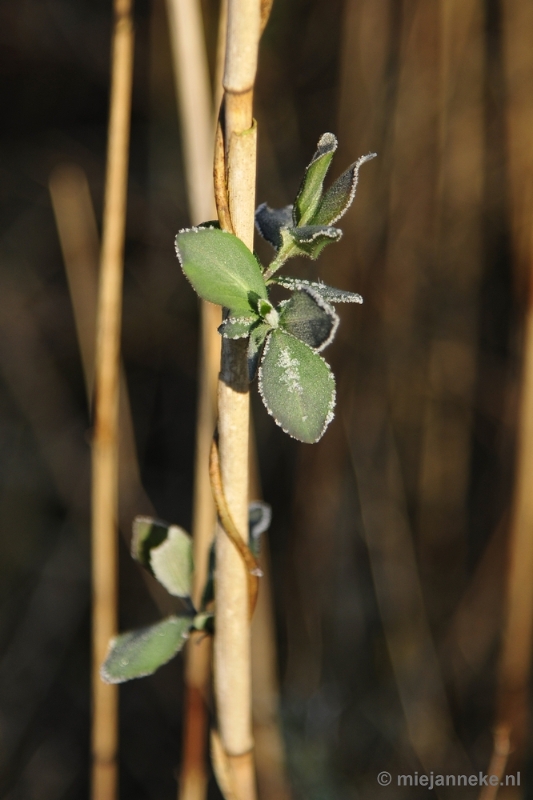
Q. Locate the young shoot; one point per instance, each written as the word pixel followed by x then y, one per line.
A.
pixel 284 342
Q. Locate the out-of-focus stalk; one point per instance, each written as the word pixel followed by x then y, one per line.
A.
pixel 105 442
pixel 515 664
pixel 78 236
pixel 197 130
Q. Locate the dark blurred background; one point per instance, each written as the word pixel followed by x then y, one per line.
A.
pixel 388 537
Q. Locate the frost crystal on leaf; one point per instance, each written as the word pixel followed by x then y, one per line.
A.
pixel 291 376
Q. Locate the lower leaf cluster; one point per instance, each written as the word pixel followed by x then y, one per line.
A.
pixel 166 551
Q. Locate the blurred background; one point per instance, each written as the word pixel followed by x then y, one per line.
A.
pixel 389 537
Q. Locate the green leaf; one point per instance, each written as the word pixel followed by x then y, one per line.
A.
pixel 310 240
pixel 328 293
pixel 257 339
pixel 339 197
pixel 172 562
pixel 204 622
pixel 221 269
pixel 308 317
pixel 270 221
pixel 237 327
pixel 147 533
pixel 310 190
pixel 138 653
pixel 259 518
pixel 297 387
pixel 166 551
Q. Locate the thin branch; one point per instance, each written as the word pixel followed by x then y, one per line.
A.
pixel 226 521
pixel 105 446
pixel 219 177
pixel 197 133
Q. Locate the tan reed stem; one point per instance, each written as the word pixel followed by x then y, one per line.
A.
pixel 232 657
pixel 498 762
pixel 518 627
pixel 272 782
pixel 515 663
pixel 105 441
pixel 197 129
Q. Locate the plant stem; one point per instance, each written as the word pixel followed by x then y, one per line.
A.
pixel 197 127
pixel 105 443
pixel 515 663
pixel 232 657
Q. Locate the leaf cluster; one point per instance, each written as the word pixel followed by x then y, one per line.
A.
pixel 166 552
pixel 284 341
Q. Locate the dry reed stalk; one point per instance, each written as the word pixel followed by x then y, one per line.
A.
pixel 232 658
pixel 515 660
pixel 269 749
pixel 197 127
pixel 456 271
pixel 78 236
pixel 498 762
pixel 517 29
pixel 105 442
pixel 268 742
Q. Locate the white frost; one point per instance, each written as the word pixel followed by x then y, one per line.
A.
pixel 291 375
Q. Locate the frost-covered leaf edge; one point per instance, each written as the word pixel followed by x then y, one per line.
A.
pixel 336 296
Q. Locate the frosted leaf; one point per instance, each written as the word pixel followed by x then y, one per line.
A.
pixel 308 317
pixel 310 191
pixel 339 197
pixel 270 221
pixel 297 386
pixel 138 653
pixel 221 269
